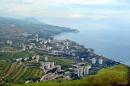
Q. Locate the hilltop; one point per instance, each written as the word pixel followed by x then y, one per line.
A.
pixel 12 28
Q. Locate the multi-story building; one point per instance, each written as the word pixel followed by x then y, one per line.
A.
pixel 81 70
pixel 94 60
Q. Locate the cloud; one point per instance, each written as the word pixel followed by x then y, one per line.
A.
pixel 82 2
pixel 71 1
pixel 94 9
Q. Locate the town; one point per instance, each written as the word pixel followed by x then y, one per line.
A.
pixel 86 61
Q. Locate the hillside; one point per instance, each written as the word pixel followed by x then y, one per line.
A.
pixel 15 72
pixel 105 77
pixel 11 27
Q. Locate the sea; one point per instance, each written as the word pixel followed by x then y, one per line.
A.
pixel 108 37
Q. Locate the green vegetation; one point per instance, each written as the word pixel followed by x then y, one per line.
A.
pixel 62 61
pixel 13 55
pixel 114 76
pixel 59 60
pixel 15 74
pixel 19 73
pixel 3 67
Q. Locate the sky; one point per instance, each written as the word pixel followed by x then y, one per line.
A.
pixel 93 9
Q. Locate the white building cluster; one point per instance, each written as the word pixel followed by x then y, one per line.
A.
pixel 50 69
pixel 9 42
pixel 81 69
pixel 98 61
pixel 47 66
pixel 33 59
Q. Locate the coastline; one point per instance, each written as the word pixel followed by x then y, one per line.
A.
pixel 101 44
pixel 77 31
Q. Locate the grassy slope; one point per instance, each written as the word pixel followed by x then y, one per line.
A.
pixel 11 56
pixel 114 76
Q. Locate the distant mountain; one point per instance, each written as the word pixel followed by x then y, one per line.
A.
pixel 11 27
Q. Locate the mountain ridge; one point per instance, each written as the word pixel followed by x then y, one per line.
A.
pixel 16 27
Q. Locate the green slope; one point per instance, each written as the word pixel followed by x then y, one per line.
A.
pixel 114 76
pixel 19 73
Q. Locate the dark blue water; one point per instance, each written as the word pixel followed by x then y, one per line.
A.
pixel 110 38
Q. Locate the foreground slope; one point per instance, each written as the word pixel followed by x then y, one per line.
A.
pixel 114 76
pixel 15 72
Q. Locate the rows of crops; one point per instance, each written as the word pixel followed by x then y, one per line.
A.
pixel 15 72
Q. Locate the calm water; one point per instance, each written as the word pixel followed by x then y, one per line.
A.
pixel 110 38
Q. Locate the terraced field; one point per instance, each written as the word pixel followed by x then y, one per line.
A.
pixel 15 72
pixel 3 67
pixel 113 76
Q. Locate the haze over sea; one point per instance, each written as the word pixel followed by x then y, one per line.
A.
pixel 110 38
